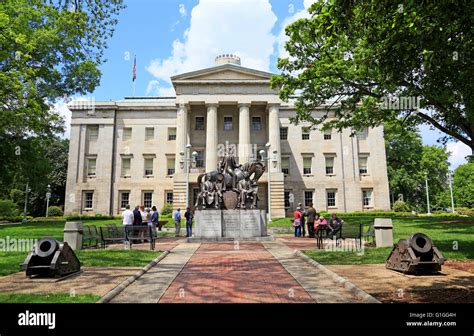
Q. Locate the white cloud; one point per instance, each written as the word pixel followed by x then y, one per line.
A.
pixel 182 10
pixel 282 38
pixel 61 108
pixel 221 27
pixel 459 151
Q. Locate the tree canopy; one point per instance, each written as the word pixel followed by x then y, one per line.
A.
pixel 374 61
pixel 50 50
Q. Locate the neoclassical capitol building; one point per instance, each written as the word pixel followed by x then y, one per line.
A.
pixel 135 151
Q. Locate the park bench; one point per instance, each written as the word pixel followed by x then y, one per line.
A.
pixel 91 236
pixel 133 233
pixel 370 233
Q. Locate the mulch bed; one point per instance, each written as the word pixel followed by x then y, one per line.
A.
pixel 452 295
pixel 457 222
pixel 467 266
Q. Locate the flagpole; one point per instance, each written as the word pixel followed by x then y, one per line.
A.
pixel 133 89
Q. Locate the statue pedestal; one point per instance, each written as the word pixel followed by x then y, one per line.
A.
pixel 234 224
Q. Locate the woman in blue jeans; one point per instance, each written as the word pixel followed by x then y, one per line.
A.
pixel 297 222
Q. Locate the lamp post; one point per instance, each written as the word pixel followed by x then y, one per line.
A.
pixel 427 194
pixel 185 159
pixel 266 157
pixel 450 180
pixel 48 196
pixel 27 190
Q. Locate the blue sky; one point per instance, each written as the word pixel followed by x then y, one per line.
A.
pixel 175 36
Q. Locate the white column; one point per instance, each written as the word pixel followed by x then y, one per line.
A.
pixel 244 133
pixel 211 137
pixel 274 135
pixel 181 134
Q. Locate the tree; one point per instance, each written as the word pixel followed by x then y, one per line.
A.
pixel 50 49
pixel 407 162
pixel 463 185
pixel 373 61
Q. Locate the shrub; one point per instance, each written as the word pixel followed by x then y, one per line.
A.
pixel 167 209
pixel 8 208
pixel 14 219
pixel 55 211
pixel 464 211
pixel 49 219
pixel 400 206
pixel 76 217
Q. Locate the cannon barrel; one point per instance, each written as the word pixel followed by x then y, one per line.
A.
pixel 421 243
pixel 46 247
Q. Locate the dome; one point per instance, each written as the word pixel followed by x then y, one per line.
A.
pixel 227 59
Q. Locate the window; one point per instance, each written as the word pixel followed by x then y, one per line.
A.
pixel 91 167
pixel 149 133
pixel 328 134
pixel 308 197
pixel 331 198
pixel 124 199
pixel 127 133
pixel 362 134
pixel 285 165
pixel 283 133
pixel 367 199
pixel 171 134
pixel 200 159
pixel 93 132
pixel 126 163
pixel 148 167
pixel 257 123
pixel 227 123
pixel 363 167
pixel 287 199
pixel 329 165
pixel 169 197
pixel 88 199
pixel 305 133
pixel 170 166
pixel 147 199
pixel 199 124
pixel 307 162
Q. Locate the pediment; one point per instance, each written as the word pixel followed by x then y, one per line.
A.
pixel 226 72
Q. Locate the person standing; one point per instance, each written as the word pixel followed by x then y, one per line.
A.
pixel 177 222
pixel 155 217
pixel 311 213
pixel 137 216
pixel 127 218
pixel 303 216
pixel 297 222
pixel 189 222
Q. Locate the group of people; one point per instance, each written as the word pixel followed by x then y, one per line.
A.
pixel 188 216
pixel 314 222
pixel 140 216
pixel 146 216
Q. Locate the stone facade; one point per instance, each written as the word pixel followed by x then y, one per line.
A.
pixel 129 151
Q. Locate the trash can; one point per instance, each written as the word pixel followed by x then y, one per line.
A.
pixel 73 233
pixel 383 232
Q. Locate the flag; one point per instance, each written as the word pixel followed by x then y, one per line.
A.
pixel 134 69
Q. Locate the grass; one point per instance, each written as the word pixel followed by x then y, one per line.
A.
pixel 455 239
pixel 10 261
pixel 48 298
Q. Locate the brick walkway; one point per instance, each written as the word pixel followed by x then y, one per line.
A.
pixel 228 273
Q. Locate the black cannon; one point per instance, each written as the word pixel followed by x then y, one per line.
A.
pixel 416 255
pixel 51 259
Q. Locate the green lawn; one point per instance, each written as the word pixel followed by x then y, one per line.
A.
pixel 48 298
pixel 454 237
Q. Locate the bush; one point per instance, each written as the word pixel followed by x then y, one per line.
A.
pixel 167 209
pixel 14 219
pixel 55 211
pixel 400 206
pixel 464 211
pixel 49 219
pixel 76 217
pixel 8 208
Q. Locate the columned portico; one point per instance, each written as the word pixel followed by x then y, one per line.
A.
pixel 211 137
pixel 244 133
